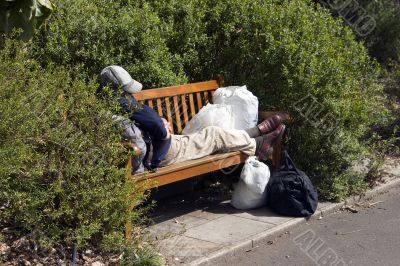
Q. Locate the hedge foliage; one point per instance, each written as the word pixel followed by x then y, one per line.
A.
pixel 384 40
pixel 61 164
pixel 292 54
pixel 98 33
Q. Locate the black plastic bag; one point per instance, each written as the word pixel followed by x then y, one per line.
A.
pixel 290 191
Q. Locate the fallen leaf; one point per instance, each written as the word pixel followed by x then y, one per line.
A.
pixel 86 258
pixel 349 208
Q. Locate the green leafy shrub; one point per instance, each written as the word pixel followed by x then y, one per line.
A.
pixel 296 58
pixel 392 76
pixel 302 53
pixel 98 33
pixel 382 35
pixel 62 175
pixel 384 41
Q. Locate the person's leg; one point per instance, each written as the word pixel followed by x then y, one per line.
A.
pixel 265 142
pixel 266 126
pixel 253 132
pixel 208 141
pixel 217 140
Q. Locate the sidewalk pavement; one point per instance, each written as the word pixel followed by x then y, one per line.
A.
pixel 202 227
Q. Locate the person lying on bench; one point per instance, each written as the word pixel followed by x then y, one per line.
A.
pixel 170 148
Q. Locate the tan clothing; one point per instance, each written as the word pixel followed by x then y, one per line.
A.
pixel 208 141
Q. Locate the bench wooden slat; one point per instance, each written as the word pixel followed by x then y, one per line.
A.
pixel 184 109
pixel 159 108
pixel 176 90
pixel 184 170
pixel 150 103
pixel 199 103
pixel 191 101
pixel 169 115
pixel 177 114
pixel 215 159
pixel 206 96
pixel 212 94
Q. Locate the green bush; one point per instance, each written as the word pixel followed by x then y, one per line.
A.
pixel 296 53
pixel 296 58
pixel 393 80
pixel 382 38
pixel 62 175
pixel 384 41
pixel 98 33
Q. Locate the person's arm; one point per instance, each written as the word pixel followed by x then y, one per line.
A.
pixel 167 126
pixel 133 147
pixel 147 119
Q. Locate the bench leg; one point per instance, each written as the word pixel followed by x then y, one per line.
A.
pixel 132 202
pixel 128 224
pixel 277 154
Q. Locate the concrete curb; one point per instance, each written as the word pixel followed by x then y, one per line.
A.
pixel 248 244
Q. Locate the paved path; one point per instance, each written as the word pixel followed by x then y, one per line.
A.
pixel 368 237
pixel 195 225
pixel 201 228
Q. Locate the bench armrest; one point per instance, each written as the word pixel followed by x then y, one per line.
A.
pixel 132 146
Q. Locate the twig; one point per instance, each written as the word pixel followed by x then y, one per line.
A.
pixel 377 202
pixel 346 233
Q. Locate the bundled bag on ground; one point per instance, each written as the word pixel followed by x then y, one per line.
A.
pixel 244 105
pixel 290 191
pixel 220 115
pixel 251 191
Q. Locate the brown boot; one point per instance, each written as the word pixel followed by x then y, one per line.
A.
pixel 271 123
pixel 266 142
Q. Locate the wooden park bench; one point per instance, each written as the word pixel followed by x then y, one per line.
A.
pixel 178 104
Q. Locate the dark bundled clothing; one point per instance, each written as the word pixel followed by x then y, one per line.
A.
pixel 290 191
pixel 152 125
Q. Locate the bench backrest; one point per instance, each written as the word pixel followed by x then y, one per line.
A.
pixel 178 104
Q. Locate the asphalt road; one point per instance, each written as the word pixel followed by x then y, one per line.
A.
pixel 369 237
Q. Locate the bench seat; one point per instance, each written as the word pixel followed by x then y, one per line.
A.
pixel 176 172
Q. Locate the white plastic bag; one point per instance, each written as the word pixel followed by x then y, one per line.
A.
pixel 251 191
pixel 244 103
pixel 210 115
